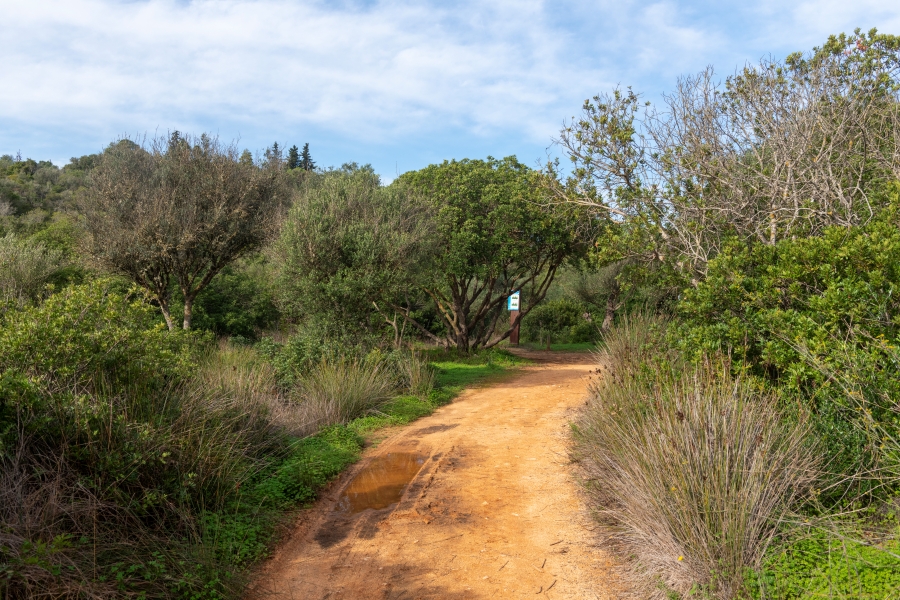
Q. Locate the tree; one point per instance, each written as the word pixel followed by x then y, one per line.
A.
pixel 494 234
pixel 348 250
pixel 293 160
pixel 306 161
pixel 177 211
pixel 779 149
pixel 274 155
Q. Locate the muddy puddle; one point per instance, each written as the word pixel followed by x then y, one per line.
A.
pixel 381 483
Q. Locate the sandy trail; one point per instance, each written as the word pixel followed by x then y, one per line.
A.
pixel 492 510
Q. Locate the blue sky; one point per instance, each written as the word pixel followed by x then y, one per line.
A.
pixel 399 85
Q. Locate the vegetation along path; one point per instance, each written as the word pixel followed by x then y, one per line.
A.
pixel 476 501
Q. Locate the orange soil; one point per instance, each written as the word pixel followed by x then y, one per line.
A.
pixel 493 510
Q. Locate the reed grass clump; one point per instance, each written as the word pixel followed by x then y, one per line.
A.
pixel 416 375
pixel 342 389
pixel 691 468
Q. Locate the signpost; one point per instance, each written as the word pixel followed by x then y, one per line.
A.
pixel 512 304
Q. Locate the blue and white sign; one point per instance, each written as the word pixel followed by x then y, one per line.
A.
pixel 512 303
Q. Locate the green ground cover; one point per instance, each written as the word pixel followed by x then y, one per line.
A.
pixel 823 565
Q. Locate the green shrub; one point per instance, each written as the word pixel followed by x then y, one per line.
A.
pixel 819 564
pixel 760 302
pixel 562 321
pixel 81 342
pixel 118 436
pixel 237 302
pixel 794 312
pixel 302 352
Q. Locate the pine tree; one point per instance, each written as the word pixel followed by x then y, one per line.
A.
pixel 306 161
pixel 293 160
pixel 273 155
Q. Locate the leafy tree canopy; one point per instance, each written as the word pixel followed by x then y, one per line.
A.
pixel 494 233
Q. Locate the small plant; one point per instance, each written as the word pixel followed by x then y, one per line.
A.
pixel 339 390
pixel 417 375
pixel 563 320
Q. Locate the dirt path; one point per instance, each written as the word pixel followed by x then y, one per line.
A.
pixel 491 510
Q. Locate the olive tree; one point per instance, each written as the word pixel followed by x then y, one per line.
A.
pixel 462 235
pixel 175 211
pixel 348 250
pixel 494 233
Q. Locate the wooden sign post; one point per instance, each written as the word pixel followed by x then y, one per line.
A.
pixel 512 304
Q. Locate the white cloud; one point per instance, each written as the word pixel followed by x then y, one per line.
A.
pixel 391 69
pixel 376 75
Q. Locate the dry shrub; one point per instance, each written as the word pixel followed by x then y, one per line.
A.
pixel 25 268
pixel 416 374
pixel 235 381
pixel 60 540
pixel 691 468
pixel 339 390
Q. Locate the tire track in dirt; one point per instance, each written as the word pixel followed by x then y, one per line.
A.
pixel 493 510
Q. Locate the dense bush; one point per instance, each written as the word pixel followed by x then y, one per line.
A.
pixel 802 310
pixel 297 356
pixel 760 302
pixel 238 302
pixel 117 438
pixel 562 320
pixel 343 256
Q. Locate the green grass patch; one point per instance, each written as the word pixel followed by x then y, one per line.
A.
pixel 454 372
pixel 242 532
pixel 824 566
pixel 399 411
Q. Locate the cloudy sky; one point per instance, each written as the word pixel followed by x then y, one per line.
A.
pixel 396 84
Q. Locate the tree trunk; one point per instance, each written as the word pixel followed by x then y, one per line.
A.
pixel 188 311
pixel 612 304
pixel 393 324
pixel 462 330
pixel 164 307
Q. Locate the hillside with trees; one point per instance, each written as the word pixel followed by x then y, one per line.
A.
pixel 194 340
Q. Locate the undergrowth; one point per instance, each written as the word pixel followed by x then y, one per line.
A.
pixel 138 462
pixel 818 563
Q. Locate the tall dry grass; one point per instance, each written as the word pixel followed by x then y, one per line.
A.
pixel 417 376
pixel 691 469
pixel 340 390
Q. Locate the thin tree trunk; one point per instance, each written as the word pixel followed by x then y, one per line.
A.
pixel 612 304
pixel 164 307
pixel 188 311
pixel 393 324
